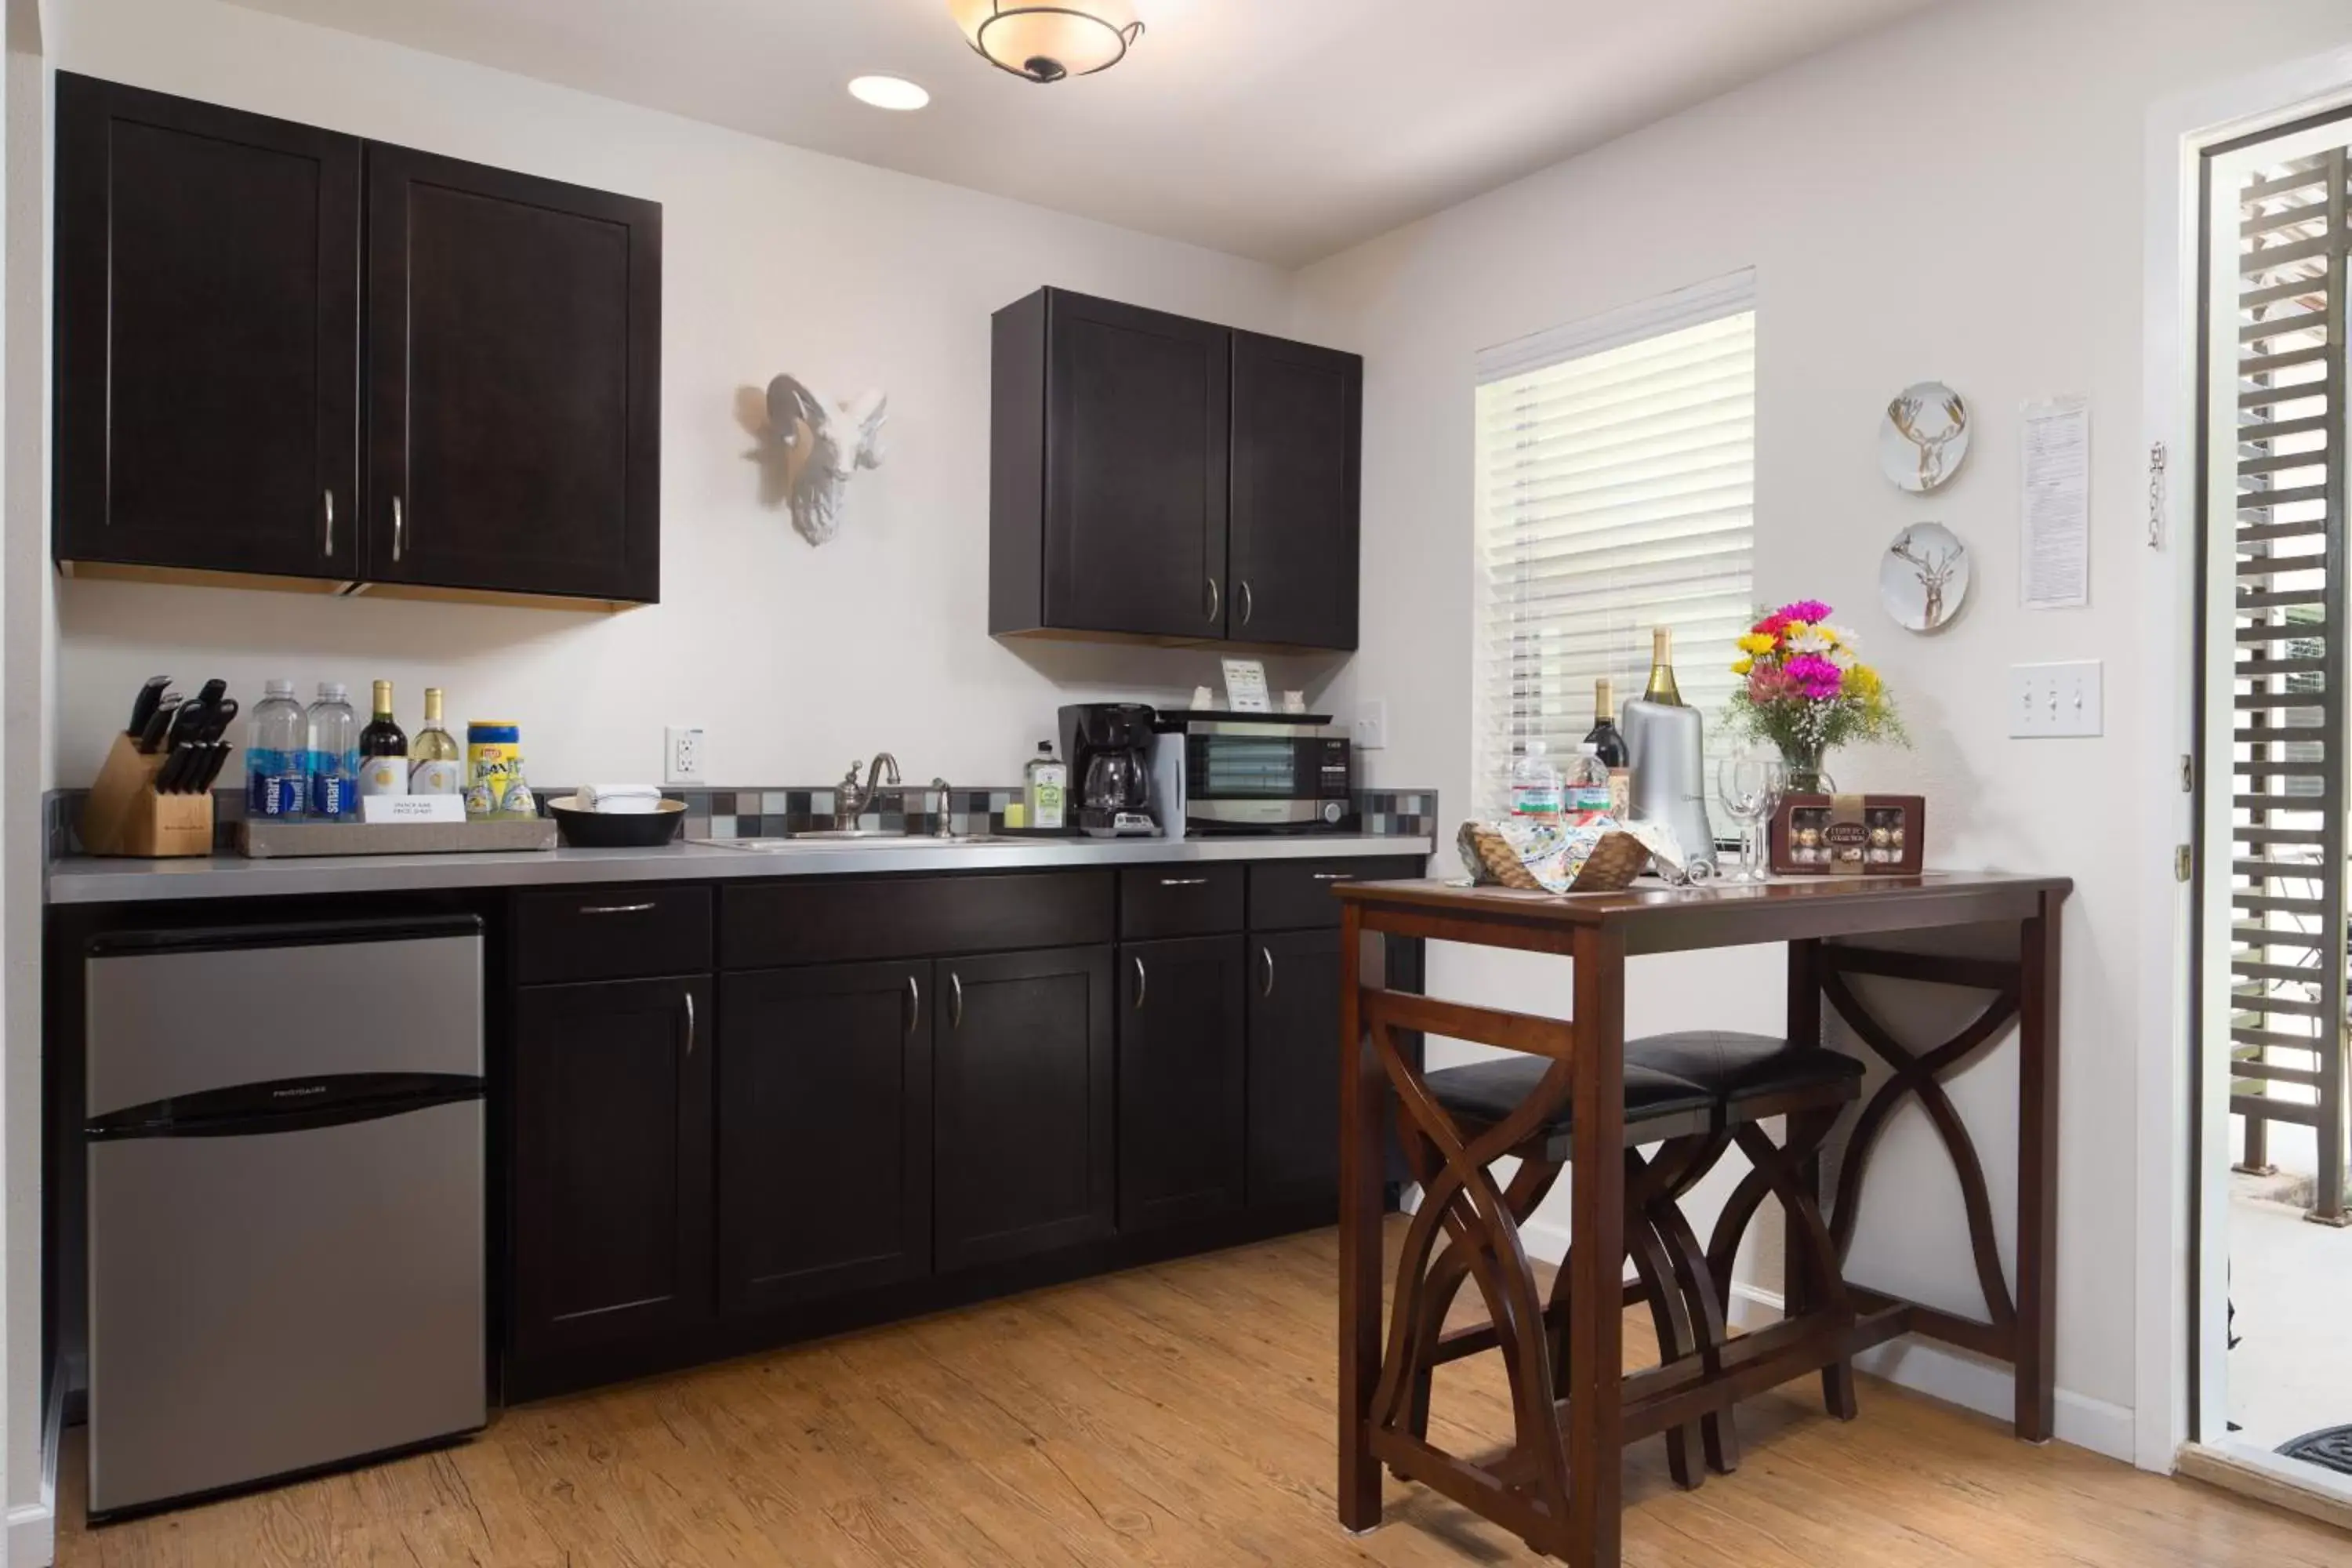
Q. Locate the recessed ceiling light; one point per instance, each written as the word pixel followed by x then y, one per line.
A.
pixel 889 92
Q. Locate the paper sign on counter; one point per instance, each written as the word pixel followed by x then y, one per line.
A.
pixel 413 808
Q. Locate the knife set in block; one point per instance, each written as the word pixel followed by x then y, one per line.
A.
pixel 125 815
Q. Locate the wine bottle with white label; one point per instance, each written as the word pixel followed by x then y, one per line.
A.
pixel 435 758
pixel 383 750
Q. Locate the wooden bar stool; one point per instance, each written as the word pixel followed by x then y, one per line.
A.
pixel 1660 1108
pixel 1754 1079
pixel 1741 1080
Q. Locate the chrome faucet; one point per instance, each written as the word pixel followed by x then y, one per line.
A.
pixel 855 801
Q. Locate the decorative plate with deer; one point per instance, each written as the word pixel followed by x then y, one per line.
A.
pixel 1925 437
pixel 1924 576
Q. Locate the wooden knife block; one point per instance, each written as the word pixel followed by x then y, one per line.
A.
pixel 124 815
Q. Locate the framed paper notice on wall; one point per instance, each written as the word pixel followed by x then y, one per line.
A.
pixel 2055 512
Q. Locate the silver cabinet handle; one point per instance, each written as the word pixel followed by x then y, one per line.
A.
pixel 689 1023
pixel 1142 981
pixel 955 1000
pixel 1183 881
pixel 1268 954
pixel 615 909
pixel 1335 876
pixel 399 528
pixel 1248 600
pixel 330 497
pixel 1215 601
pixel 914 1003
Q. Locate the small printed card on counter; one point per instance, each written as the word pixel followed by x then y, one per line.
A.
pixel 1246 688
pixel 413 808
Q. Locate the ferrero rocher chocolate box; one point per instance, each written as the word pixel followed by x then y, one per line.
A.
pixel 1848 835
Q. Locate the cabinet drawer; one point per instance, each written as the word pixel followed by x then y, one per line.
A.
pixel 848 919
pixel 1296 895
pixel 612 933
pixel 1178 900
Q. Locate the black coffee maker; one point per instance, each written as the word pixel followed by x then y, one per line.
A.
pixel 1109 745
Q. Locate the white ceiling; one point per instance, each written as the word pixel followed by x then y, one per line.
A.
pixel 1283 129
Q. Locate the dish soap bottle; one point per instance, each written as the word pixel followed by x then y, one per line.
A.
pixel 1048 789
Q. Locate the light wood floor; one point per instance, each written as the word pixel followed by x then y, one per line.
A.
pixel 1172 1416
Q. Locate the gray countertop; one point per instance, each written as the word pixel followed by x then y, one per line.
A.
pixel 82 880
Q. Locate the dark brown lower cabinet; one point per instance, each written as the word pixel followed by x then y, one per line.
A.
pixel 1182 1091
pixel 825 1131
pixel 1294 1067
pixel 1022 1109
pixel 612 1161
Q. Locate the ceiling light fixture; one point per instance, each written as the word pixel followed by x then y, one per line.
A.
pixel 889 92
pixel 1047 42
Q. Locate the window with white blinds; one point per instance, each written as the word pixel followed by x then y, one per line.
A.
pixel 1616 482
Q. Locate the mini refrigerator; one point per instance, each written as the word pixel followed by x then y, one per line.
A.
pixel 286 1204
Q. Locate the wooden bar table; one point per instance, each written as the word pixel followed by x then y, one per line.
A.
pixel 1559 1488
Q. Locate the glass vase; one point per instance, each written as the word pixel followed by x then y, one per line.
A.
pixel 1801 768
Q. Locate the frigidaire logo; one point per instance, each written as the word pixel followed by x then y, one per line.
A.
pixel 305 1090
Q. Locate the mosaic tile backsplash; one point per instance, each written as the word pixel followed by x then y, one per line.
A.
pixel 774 813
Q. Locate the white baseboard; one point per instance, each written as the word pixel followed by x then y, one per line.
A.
pixel 32 1537
pixel 1941 1372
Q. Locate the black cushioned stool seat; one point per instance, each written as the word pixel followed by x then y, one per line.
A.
pixel 1738 1067
pixel 1489 1091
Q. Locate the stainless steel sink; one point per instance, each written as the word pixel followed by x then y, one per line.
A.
pixel 854 838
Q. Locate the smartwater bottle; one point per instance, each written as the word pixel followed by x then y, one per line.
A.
pixel 277 750
pixel 334 759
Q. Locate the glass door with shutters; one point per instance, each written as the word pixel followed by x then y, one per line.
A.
pixel 2274 1363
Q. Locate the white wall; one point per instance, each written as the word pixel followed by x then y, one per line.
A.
pixel 1958 198
pixel 26 630
pixel 775 259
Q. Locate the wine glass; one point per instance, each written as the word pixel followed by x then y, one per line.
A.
pixel 1750 789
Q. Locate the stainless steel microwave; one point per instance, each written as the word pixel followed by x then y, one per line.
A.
pixel 1290 772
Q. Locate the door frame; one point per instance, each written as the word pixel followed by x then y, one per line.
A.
pixel 2173 1201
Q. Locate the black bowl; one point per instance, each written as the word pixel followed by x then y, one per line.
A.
pixel 616 830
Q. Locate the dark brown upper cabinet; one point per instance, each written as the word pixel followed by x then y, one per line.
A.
pixel 514 383
pixel 1163 479
pixel 1296 476
pixel 207 337
pixel 465 401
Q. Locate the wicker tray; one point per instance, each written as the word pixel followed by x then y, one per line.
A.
pixel 1615 861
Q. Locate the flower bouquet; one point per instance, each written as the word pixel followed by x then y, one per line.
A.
pixel 1807 691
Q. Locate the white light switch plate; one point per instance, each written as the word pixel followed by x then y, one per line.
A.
pixel 2049 701
pixel 682 755
pixel 1371 724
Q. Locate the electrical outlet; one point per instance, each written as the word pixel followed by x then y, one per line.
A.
pixel 2049 702
pixel 1371 724
pixel 682 755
